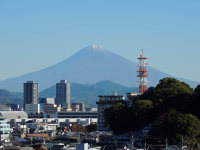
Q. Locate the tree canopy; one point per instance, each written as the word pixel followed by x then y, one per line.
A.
pixel 175 125
pixel 172 107
pixel 118 117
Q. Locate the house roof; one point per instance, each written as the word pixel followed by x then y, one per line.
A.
pixel 39 135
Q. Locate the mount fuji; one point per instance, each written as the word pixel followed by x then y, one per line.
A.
pixel 89 65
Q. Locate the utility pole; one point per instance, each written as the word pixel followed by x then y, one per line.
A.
pixel 182 142
pixel 132 144
pixel 166 146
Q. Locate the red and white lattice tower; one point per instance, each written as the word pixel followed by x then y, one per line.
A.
pixel 142 73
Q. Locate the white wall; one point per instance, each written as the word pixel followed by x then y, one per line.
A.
pixel 32 108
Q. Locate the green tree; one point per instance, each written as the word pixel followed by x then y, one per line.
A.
pixel 171 104
pixel 149 94
pixel 121 118
pixel 170 87
pixel 175 125
pixel 194 104
pixel 118 117
pixel 197 90
pixel 169 93
pixel 142 113
pixel 142 106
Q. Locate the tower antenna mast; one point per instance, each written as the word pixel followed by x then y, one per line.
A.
pixel 142 73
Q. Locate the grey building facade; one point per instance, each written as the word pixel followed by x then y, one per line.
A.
pixel 30 93
pixel 63 93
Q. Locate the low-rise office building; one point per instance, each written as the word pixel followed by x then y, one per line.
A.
pixel 91 109
pixel 43 101
pixel 4 129
pixel 51 110
pixel 78 106
pixel 32 109
pixel 104 102
pixel 74 114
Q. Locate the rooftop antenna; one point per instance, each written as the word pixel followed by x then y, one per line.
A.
pixel 142 52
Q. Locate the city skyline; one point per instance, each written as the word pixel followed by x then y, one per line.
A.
pixel 50 32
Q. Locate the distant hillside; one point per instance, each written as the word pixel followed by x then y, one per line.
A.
pixel 79 92
pixel 10 97
pixel 89 65
pixel 89 93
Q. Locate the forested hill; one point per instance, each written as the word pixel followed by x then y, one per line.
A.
pixel 172 108
pixel 10 97
pixel 87 93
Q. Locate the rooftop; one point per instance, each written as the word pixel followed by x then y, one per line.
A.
pixel 13 114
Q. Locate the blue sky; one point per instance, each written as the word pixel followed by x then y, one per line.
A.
pixel 35 34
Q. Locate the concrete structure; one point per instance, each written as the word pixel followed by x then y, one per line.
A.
pixel 46 127
pixel 91 109
pixel 13 106
pixel 43 101
pixel 130 95
pixel 63 94
pixel 50 110
pixel 32 125
pixel 32 108
pixel 104 102
pixel 74 114
pixel 82 146
pixel 4 108
pixel 48 100
pixel 13 114
pixel 78 106
pixel 131 98
pixel 4 129
pixel 75 107
pixel 4 126
pixel 30 93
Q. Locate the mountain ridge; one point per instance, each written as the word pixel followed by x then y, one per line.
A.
pixel 89 65
pixel 80 93
pixel 88 93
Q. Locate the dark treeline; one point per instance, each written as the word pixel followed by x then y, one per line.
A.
pixel 172 107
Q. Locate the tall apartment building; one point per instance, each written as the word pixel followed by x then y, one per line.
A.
pixel 63 93
pixel 30 93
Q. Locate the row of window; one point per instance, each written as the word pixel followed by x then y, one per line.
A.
pixel 77 117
